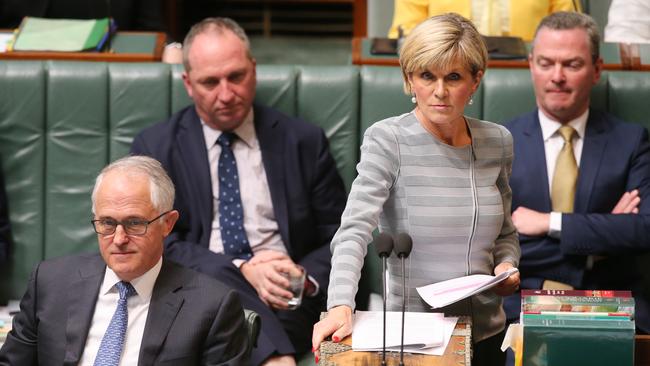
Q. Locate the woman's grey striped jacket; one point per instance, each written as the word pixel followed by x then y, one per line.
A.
pixel 453 201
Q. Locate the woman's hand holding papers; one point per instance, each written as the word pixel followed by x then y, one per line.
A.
pixel 338 323
pixel 510 284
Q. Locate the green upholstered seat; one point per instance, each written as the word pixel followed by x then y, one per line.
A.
pixel 61 122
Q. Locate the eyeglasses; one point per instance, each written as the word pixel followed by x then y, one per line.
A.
pixel 133 227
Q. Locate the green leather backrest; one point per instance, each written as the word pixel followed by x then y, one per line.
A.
pixel 629 96
pixel 22 150
pixel 139 94
pixel 61 122
pixel 276 87
pixel 76 145
pixel 329 97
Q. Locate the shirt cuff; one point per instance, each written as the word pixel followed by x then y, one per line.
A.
pixel 311 287
pixel 238 262
pixel 555 225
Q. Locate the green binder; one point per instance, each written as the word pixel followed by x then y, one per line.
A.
pixel 62 35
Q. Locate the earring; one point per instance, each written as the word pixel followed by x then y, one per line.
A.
pixel 471 101
pixel 413 100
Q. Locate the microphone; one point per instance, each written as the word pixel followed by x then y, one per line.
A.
pixel 383 245
pixel 403 246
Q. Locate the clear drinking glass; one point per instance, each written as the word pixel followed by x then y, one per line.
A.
pixel 296 277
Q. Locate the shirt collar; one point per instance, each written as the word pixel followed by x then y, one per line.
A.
pixel 550 127
pixel 143 285
pixel 245 132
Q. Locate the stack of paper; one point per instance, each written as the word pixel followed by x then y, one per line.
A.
pixel 448 292
pixel 426 333
pixel 64 35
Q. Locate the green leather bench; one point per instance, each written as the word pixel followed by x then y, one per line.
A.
pixel 61 122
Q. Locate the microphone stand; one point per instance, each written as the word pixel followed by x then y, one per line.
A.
pixel 401 348
pixel 403 246
pixel 383 245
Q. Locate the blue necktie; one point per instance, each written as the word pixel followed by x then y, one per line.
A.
pixel 231 212
pixel 110 350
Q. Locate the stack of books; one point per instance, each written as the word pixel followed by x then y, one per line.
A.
pixel 577 327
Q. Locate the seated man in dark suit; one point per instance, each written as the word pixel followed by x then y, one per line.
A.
pixel 258 191
pixel 581 178
pixel 5 233
pixel 129 306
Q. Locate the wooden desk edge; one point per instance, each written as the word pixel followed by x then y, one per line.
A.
pixel 358 59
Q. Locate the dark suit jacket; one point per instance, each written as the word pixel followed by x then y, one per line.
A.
pixel 306 190
pixel 192 320
pixel 615 159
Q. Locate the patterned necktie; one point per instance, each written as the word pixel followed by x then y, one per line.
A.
pixel 231 213
pixel 110 350
pixel 566 174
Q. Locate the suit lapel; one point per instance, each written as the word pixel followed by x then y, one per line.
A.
pixel 272 143
pixel 192 149
pixel 535 157
pixel 595 141
pixel 166 302
pixel 82 297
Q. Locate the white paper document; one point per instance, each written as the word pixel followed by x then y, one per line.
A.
pixel 448 292
pixel 426 333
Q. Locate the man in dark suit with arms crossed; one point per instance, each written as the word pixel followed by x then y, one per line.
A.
pixel 162 313
pixel 581 178
pixel 258 191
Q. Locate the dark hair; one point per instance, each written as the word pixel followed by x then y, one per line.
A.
pixel 564 20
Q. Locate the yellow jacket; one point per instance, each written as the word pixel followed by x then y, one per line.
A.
pixel 524 14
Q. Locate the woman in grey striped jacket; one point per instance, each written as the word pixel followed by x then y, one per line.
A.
pixel 440 176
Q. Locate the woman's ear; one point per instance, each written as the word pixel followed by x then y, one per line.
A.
pixel 409 80
pixel 477 80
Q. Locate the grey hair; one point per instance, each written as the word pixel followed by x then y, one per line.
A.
pixel 161 187
pixel 567 20
pixel 217 25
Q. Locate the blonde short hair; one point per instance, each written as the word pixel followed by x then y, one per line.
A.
pixel 439 42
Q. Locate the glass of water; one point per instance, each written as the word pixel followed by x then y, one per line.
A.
pixel 296 277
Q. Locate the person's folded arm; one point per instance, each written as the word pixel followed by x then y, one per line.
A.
pixel 611 233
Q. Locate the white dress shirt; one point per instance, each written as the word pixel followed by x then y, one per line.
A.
pixel 138 307
pixel 553 144
pixel 261 227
